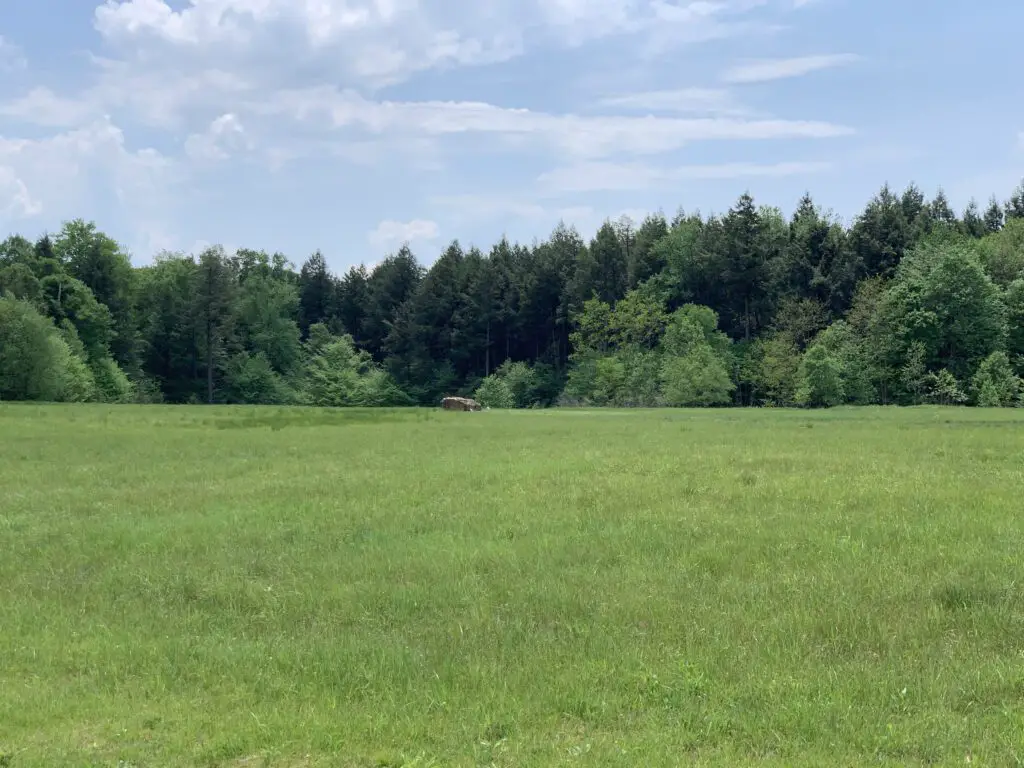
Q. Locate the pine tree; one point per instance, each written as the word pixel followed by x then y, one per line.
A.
pixel 1015 205
pixel 317 293
pixel 214 304
pixel 973 224
pixel 994 216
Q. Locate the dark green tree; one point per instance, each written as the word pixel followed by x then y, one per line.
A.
pixel 214 292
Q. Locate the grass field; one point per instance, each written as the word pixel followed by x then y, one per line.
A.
pixel 259 586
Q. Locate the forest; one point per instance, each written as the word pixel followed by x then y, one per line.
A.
pixel 910 303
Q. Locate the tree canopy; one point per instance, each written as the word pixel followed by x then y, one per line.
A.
pixel 910 303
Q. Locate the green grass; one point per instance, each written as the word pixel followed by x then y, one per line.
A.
pixel 259 586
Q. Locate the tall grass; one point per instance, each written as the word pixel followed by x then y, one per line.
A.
pixel 260 586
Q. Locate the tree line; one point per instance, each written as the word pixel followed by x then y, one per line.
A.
pixel 910 303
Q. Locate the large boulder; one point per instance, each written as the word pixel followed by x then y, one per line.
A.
pixel 460 404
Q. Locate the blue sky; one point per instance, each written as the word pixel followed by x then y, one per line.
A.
pixel 354 125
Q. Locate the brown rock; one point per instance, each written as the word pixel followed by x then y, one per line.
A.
pixel 460 404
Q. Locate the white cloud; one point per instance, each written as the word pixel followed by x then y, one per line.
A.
pixel 390 233
pixel 377 41
pixel 778 69
pixel 220 21
pixel 15 199
pixel 41 106
pixel 466 208
pixel 380 42
pixel 592 177
pixel 183 63
pixel 294 80
pixel 707 101
pixel 168 94
pixel 67 171
pixel 223 136
pixel 593 136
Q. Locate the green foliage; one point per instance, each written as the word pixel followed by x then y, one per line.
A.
pixel 774 370
pixel 942 311
pixel 251 378
pixel 638 320
pixel 1014 300
pixel 593 327
pixel 339 375
pixel 18 281
pixel 32 358
pixel 821 378
pixel 995 385
pixel 908 291
pixel 112 384
pixel 95 259
pixel 944 389
pixel 850 350
pixel 266 307
pixel 522 382
pixel 697 378
pixel 639 384
pixel 69 301
pixel 495 392
pixel 695 371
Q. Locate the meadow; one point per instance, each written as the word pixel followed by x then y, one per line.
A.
pixel 246 586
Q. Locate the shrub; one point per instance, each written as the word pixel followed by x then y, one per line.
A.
pixel 252 379
pixel 112 384
pixel 994 384
pixel 31 359
pixel 495 392
pixel 821 379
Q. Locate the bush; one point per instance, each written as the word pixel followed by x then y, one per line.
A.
pixel 494 392
pixel 994 384
pixel 944 389
pixel 147 391
pixel 31 359
pixel 522 382
pixel 252 379
pixel 112 384
pixel 338 375
pixel 698 378
pixel 77 384
pixel 821 379
pixel 377 388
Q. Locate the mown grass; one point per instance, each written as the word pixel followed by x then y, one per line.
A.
pixel 285 587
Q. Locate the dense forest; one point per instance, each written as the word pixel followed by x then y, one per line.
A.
pixel 911 303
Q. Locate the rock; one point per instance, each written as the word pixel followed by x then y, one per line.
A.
pixel 460 404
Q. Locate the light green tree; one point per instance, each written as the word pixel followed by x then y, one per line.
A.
pixel 995 385
pixel 821 379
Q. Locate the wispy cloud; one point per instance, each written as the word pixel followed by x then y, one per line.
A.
pixel 604 177
pixel 390 233
pixel 582 136
pixel 701 101
pixel 777 69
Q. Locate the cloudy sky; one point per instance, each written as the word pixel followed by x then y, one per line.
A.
pixel 354 125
